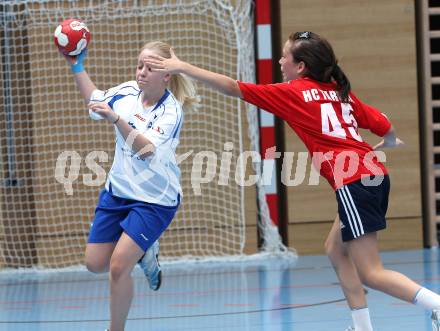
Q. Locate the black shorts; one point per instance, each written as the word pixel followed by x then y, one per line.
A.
pixel 362 208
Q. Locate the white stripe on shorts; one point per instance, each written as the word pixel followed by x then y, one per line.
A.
pixel 355 210
pixel 349 216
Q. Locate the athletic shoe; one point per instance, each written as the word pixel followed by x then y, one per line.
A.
pixel 151 267
pixel 435 320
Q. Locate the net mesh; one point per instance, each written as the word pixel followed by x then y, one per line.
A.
pixel 44 126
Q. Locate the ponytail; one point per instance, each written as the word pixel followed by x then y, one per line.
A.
pixel 184 90
pixel 180 85
pixel 342 81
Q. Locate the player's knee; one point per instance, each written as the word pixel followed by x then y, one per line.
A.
pixel 117 270
pixel 329 247
pixel 95 263
pixel 96 267
pixel 333 249
pixel 369 278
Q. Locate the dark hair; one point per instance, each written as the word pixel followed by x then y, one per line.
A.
pixel 320 60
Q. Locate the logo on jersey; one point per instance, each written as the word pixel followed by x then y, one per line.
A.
pixel 140 117
pixel 159 130
pixel 132 125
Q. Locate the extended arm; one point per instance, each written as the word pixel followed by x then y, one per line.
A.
pixel 221 83
pixel 173 65
pixel 82 79
pixel 85 85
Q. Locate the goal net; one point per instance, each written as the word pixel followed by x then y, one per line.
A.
pixel 54 159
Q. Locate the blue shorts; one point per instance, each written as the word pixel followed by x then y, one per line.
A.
pixel 362 208
pixel 141 221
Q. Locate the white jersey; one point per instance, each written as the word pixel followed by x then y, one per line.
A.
pixel 156 178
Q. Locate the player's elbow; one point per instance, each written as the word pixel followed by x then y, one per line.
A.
pixel 146 151
pixel 228 86
pixel 234 89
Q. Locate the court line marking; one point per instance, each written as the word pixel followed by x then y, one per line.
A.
pixel 293 306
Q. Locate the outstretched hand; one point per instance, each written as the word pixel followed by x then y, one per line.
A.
pixel 166 65
pixel 387 144
pixel 70 59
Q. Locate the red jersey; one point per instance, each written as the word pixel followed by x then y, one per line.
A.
pixel 327 126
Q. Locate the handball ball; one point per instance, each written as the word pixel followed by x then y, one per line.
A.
pixel 71 37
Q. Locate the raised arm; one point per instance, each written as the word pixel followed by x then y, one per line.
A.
pixel 85 85
pixel 173 65
pixel 82 79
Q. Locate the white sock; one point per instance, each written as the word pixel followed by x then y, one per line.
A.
pixel 361 319
pixel 427 299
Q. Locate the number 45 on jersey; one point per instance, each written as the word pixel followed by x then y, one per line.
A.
pixel 331 125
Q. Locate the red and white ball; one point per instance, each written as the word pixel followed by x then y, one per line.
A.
pixel 71 37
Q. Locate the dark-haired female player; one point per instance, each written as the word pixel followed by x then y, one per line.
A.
pixel 316 101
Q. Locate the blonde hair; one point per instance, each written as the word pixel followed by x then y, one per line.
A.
pixel 180 85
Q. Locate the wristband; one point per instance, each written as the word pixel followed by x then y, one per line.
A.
pixel 114 123
pixel 78 66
